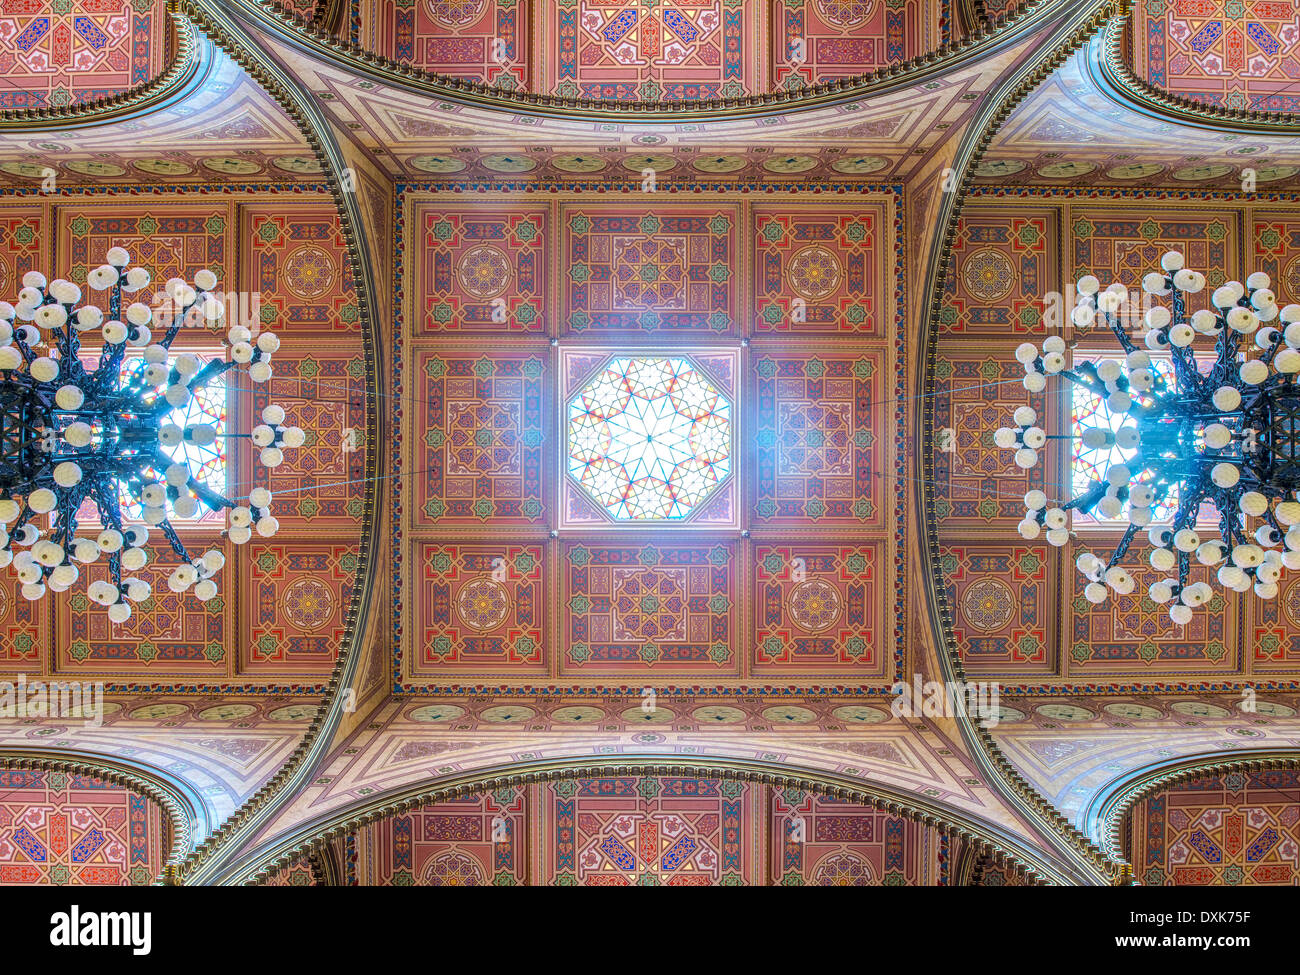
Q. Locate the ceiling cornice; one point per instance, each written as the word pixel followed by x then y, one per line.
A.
pixel 317 834
pixel 184 809
pixel 1073 28
pixel 181 77
pixel 318 41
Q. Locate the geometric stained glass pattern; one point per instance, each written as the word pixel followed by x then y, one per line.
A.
pixel 819 609
pixel 650 268
pixel 822 452
pixel 482 40
pixel 611 475
pixel 482 610
pixel 1231 829
pixel 817 841
pixel 1231 54
pixel 670 50
pixel 650 831
pixel 66 53
pixel 481 268
pixel 1002 597
pixel 818 269
pixel 62 829
pixel 816 40
pixel 649 439
pixel 1002 266
pixel 478 436
pixel 649 609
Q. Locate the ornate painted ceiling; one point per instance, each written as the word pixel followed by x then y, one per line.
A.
pixel 833 223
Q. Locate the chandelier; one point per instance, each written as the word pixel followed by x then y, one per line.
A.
pixel 1190 434
pixel 113 433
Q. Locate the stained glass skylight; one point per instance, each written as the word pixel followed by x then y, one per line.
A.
pixel 1089 465
pixel 649 438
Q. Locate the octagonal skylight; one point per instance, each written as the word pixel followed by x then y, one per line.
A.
pixel 649 438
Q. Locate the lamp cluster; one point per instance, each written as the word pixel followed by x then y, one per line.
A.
pixel 1223 433
pixel 70 434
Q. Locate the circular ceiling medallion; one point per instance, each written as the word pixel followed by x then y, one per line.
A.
pixel 437 164
pixel 156 711
pixel 1199 709
pixel 298 164
pixel 718 714
pixel 577 714
pixel 27 170
pixel 1066 170
pixel 95 167
pixel 227 712
pixel 656 715
pixel 1274 709
pixel 1194 173
pixel 1134 170
pixel 844 13
pixel 1008 715
pixel 1133 712
pixel 720 164
pixel 505 163
pixel 231 165
pixel 455 13
pixel 814 605
pixel 859 165
pixel 789 165
pixel 1064 712
pixel 988 275
pixel 434 713
pixel 83 711
pixel 484 271
pixel 163 167
pixel 293 712
pixel 1270 174
pixel 1291 276
pixel 309 272
pixel 578 163
pixel 656 163
pixel 308 604
pixel 483 604
pixel 988 604
pixel 507 714
pixel 859 714
pixel 813 272
pixel 993 168
pixel 789 714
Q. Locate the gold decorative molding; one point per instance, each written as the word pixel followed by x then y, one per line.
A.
pixel 1019 791
pixel 998 845
pixel 316 133
pixel 1118 80
pixel 143 98
pixel 319 39
pixel 1119 801
pixel 184 816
